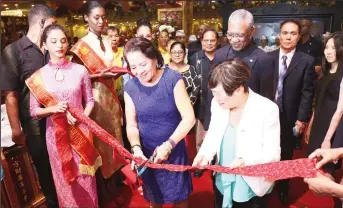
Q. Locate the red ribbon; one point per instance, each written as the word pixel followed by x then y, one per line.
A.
pixel 304 168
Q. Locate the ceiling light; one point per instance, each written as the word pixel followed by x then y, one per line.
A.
pixel 32 5
pixel 7 8
pixel 5 5
pixel 16 5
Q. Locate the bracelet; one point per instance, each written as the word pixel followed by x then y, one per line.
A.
pixel 167 146
pixel 172 142
pixel 135 145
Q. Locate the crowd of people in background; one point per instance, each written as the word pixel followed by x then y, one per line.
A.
pixel 241 105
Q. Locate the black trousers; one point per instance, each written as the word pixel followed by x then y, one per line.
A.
pixel 255 202
pixel 40 157
pixel 287 143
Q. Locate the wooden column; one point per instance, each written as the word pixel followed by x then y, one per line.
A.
pixel 187 7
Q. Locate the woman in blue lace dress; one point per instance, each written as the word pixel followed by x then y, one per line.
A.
pixel 159 115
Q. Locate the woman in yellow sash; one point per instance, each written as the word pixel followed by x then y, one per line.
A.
pixel 95 52
pixel 57 86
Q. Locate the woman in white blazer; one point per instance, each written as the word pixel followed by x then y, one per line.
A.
pixel 244 130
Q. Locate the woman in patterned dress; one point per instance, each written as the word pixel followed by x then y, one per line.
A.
pixel 68 85
pixel 189 75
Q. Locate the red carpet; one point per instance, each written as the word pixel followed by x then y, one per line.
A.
pixel 202 196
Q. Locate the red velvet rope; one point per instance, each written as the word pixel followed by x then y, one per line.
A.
pixel 304 168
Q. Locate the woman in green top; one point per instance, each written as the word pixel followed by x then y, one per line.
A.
pixel 244 130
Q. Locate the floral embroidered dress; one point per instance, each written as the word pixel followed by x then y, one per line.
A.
pixel 107 109
pixel 118 61
pixel 76 89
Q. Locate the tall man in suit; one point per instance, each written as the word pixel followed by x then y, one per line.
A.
pixel 240 33
pixel 293 86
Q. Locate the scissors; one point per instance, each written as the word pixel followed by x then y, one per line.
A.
pixel 140 170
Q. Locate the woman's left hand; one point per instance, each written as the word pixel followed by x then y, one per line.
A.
pixel 109 75
pixel 237 163
pixel 161 154
pixel 71 120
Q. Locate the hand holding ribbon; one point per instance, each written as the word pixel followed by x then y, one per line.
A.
pixel 304 168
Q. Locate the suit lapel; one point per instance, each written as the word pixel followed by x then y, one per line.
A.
pixel 294 62
pixel 276 70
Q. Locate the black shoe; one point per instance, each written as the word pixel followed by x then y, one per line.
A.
pixel 283 197
pixel 198 173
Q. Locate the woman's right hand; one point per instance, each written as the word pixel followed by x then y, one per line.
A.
pixel 326 144
pixel 104 72
pixel 137 152
pixel 61 107
pixel 325 156
pixel 200 160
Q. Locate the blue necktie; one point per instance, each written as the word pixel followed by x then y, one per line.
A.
pixel 283 71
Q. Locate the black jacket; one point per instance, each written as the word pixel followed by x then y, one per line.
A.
pixel 298 86
pixel 194 47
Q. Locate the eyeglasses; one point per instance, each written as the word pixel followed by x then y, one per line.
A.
pixel 236 35
pixel 209 41
pixel 177 52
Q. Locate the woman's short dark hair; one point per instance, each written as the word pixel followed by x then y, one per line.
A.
pixel 143 22
pixel 113 28
pixel 209 30
pixel 178 43
pixel 144 46
pixel 232 74
pixel 338 42
pixel 291 21
pixel 48 29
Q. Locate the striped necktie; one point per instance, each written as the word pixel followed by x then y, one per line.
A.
pixel 283 71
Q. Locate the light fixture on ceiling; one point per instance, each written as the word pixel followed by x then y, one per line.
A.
pixel 7 8
pixel 32 5
pixel 16 5
pixel 5 5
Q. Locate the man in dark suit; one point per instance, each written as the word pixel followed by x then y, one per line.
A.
pixel 240 33
pixel 196 46
pixel 293 88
